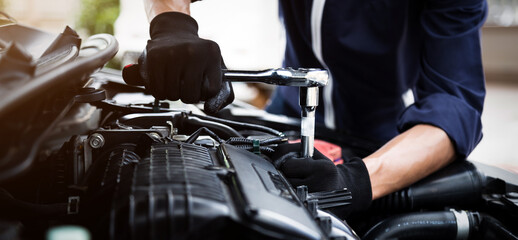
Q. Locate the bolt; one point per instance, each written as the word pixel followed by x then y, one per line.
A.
pixel 96 140
pixel 154 135
pixel 312 207
pixel 173 131
pixel 302 193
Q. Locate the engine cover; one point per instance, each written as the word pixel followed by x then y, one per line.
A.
pixel 185 191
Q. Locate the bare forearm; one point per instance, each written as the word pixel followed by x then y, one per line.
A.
pixel 155 7
pixel 407 158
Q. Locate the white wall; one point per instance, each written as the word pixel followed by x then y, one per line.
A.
pixel 248 31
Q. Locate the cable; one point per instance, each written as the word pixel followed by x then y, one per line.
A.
pixel 243 125
pixel 196 134
pixel 256 145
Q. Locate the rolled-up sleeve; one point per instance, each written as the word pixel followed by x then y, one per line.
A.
pixel 450 89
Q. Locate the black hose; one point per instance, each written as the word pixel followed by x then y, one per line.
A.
pixel 431 225
pixel 241 125
pixel 459 184
pixel 261 149
pixel 218 128
pixel 275 140
pixel 196 134
pixel 234 140
pixel 262 142
pixel 256 145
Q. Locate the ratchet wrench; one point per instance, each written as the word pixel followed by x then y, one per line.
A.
pixel 308 81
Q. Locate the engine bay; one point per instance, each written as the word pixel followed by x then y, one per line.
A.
pixel 83 150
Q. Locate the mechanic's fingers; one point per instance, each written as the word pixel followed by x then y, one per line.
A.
pixel 204 88
pixel 295 182
pixel 297 168
pixel 192 80
pixel 224 97
pixel 157 74
pixel 172 84
pixel 230 97
pixel 213 72
pixel 282 149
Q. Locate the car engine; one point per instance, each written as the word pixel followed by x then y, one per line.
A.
pixel 87 155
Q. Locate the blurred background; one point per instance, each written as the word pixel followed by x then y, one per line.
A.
pixel 251 37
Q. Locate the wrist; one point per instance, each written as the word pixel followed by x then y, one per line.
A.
pixel 172 22
pixel 157 7
pixel 357 180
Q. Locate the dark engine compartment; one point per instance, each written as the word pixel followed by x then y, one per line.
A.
pixel 82 149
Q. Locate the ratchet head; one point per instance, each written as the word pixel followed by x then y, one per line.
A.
pixel 302 77
pixel 307 79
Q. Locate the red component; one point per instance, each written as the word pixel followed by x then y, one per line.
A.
pixel 331 151
pixel 129 65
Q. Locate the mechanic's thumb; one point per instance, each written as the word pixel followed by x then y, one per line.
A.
pixel 224 97
pixel 131 75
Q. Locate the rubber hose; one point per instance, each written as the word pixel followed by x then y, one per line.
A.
pixel 222 130
pixel 205 130
pixel 234 140
pixel 274 140
pixel 242 125
pixel 250 148
pixel 431 225
pixel 458 184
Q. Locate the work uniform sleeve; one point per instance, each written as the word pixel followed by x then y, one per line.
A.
pixel 450 90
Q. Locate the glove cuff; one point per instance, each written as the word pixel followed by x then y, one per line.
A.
pixel 172 22
pixel 356 178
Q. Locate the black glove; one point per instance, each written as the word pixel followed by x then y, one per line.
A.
pixel 177 64
pixel 321 174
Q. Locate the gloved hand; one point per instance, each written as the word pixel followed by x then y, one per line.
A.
pixel 321 174
pixel 177 64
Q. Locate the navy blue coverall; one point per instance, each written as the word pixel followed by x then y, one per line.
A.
pixel 377 52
